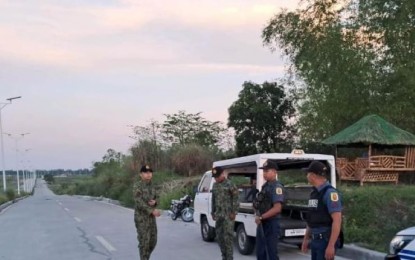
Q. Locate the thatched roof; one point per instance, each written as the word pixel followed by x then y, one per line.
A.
pixel 372 129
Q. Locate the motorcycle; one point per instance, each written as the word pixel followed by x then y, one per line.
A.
pixel 182 208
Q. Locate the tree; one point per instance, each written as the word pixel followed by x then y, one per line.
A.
pixel 191 159
pixel 389 29
pixel 148 149
pixel 348 59
pixel 183 128
pixel 146 152
pixel 112 163
pixel 262 118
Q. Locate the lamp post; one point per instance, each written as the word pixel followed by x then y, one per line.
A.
pixel 2 105
pixel 16 139
pixel 26 172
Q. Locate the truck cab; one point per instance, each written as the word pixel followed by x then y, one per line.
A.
pixel 245 173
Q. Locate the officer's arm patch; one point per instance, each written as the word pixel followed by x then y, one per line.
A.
pixel 278 191
pixel 334 196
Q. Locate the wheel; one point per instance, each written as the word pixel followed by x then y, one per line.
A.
pixel 208 232
pixel 245 243
pixel 187 214
pixel 173 215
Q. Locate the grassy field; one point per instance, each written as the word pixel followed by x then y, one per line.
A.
pixel 374 213
pixel 11 192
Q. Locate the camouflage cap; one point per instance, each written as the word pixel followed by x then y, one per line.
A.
pixel 217 171
pixel 146 168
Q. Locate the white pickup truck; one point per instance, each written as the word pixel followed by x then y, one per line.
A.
pixel 243 171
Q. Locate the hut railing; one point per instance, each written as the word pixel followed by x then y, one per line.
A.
pixel 387 162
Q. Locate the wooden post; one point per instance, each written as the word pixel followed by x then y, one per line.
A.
pixel 369 155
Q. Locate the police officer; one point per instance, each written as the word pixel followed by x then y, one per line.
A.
pixel 224 209
pixel 268 204
pixel 325 216
pixel 145 213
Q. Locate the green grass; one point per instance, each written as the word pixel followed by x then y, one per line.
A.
pixel 11 192
pixel 373 214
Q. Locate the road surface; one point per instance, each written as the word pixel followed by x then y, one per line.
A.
pixel 50 227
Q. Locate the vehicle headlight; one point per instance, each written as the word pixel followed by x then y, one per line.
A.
pixel 398 243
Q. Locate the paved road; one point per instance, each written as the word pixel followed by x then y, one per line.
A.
pixel 49 227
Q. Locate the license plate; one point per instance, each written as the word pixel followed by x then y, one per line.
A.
pixel 295 232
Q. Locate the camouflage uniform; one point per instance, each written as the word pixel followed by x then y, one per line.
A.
pixel 224 203
pixel 145 222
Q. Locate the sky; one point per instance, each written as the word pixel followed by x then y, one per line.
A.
pixel 85 70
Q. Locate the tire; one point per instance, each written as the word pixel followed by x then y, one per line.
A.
pixel 208 232
pixel 244 243
pixel 187 214
pixel 173 215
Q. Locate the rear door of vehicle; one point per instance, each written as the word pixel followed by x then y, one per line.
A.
pixel 203 195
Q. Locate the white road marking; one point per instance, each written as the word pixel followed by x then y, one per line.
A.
pixel 60 203
pixel 66 209
pixel 77 219
pixel 105 243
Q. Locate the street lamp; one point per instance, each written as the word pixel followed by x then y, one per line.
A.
pixel 26 171
pixel 2 105
pixel 17 138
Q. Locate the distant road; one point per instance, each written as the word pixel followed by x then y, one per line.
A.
pixel 50 227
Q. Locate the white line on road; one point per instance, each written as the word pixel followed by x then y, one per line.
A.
pixel 60 203
pixel 105 243
pixel 66 209
pixel 77 219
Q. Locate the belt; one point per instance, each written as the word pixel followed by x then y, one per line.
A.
pixel 319 236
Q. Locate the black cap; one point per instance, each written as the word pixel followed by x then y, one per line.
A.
pixel 317 167
pixel 268 164
pixel 146 168
pixel 216 171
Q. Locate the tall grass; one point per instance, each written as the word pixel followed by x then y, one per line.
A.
pixel 373 214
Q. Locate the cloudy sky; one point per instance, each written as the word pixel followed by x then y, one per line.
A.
pixel 87 69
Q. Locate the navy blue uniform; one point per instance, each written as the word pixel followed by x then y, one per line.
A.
pixel 267 240
pixel 324 200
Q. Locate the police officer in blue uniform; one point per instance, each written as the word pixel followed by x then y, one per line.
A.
pixel 268 204
pixel 325 215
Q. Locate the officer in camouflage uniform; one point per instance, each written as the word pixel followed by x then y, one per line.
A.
pixel 268 204
pixel 224 209
pixel 145 213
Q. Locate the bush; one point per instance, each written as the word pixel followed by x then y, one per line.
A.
pixel 373 214
pixel 126 198
pixel 49 178
pixel 3 199
pixel 10 194
pixel 191 160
